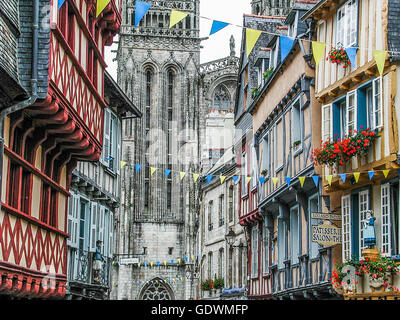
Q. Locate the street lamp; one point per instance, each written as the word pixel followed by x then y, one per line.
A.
pixel 230 237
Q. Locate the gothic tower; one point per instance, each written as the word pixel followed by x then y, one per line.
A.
pixel 271 7
pixel 158 68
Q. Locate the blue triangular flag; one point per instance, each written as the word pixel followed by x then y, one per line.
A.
pixel 145 264
pixel 141 9
pixel 137 167
pixel 172 261
pixel 109 159
pixel 167 172
pixel 286 44
pixel 209 177
pixel 235 178
pixel 351 53
pixel 371 174
pixel 186 259
pixel 288 179
pixel 158 263
pixel 343 176
pixel 316 180
pixel 262 180
pixel 217 25
pixel 60 3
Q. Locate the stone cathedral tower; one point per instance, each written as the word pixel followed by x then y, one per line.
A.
pixel 271 7
pixel 158 68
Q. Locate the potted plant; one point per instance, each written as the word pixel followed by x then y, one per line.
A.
pixel 206 287
pixel 264 172
pixel 267 73
pixel 338 152
pixel 255 91
pixel 339 56
pixel 218 285
pixel 296 144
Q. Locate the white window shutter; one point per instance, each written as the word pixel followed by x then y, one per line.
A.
pixel 346 228
pixel 105 232
pixel 363 208
pixel 385 222
pixel 327 129
pixel 101 225
pixel 111 234
pixel 119 138
pixel 70 219
pixel 93 218
pixel 75 222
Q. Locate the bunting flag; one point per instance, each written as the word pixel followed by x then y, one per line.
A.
pixel 167 172
pixel 380 58
pixel 172 261
pixel 137 167
pixel 193 257
pixel 217 26
pixel 318 49
pixel 275 181
pixel 248 179
pixel 343 177
pixel 152 170
pixel 302 180
pixel 145 264
pixel 186 259
pixel 356 176
pixel 195 177
pixel 286 45
pixel 371 174
pixel 329 178
pixel 316 180
pixel 141 9
pixel 252 36
pixel 101 5
pixel 386 173
pixel 165 263
pixel 262 180
pixel 109 159
pixel 123 164
pixel 179 260
pixel 288 180
pixel 158 263
pixel 209 178
pixel 182 174
pixel 222 179
pixel 235 179
pixel 151 264
pixel 176 17
pixel 352 53
pixel 60 3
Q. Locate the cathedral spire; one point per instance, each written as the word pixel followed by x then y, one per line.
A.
pixel 271 7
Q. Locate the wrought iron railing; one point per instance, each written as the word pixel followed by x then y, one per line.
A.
pixel 80 268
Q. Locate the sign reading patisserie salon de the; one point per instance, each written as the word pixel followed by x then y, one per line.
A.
pixel 327 235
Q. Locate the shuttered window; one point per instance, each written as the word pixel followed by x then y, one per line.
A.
pixel 347 23
pixel 363 199
pixel 327 122
pixel 265 245
pixel 73 221
pixel 93 223
pixel 254 252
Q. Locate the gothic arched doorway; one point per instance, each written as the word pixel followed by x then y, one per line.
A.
pixel 157 291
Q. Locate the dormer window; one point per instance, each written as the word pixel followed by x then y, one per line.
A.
pixel 273 61
pixel 347 24
pixel 292 30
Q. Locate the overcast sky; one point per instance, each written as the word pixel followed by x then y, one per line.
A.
pixel 217 46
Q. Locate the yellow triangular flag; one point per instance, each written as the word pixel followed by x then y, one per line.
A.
pixel 165 263
pixel 151 264
pixel 195 177
pixel 252 36
pixel 356 176
pixel 176 17
pixel 380 58
pixel 302 179
pixel 329 178
pixel 123 164
pixel 275 181
pixel 179 260
pixel 193 257
pixel 101 4
pixel 318 49
pixel 222 178
pixel 248 179
pixel 152 170
pixel 385 173
pixel 182 174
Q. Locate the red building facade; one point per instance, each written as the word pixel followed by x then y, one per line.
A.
pixel 44 141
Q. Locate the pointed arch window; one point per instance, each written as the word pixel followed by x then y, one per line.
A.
pixel 221 99
pixel 170 103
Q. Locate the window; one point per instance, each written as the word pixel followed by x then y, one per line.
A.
pixel 221 99
pixel 347 24
pixel 210 224
pixel 295 234
pixel 221 263
pixel 297 126
pixel 230 204
pixel 313 206
pixel 374 104
pixel 254 167
pixel 111 140
pixel 221 211
pixel 351 112
pixel 326 122
pixel 170 250
pixel 363 199
pixel 254 252
pixel 244 174
pixel 346 228
pixel 292 30
pixel 210 265
pixel 273 61
pixel 385 220
pixel 266 155
pixel 281 243
pixel 279 150
pixel 265 244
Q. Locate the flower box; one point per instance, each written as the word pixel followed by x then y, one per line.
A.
pixel 339 56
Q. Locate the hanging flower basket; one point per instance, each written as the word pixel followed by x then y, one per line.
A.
pixel 207 285
pixel 339 56
pixel 339 152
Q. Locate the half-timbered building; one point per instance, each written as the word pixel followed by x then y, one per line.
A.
pixel 93 212
pixel 360 98
pixel 61 65
pixel 250 71
pixel 285 262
